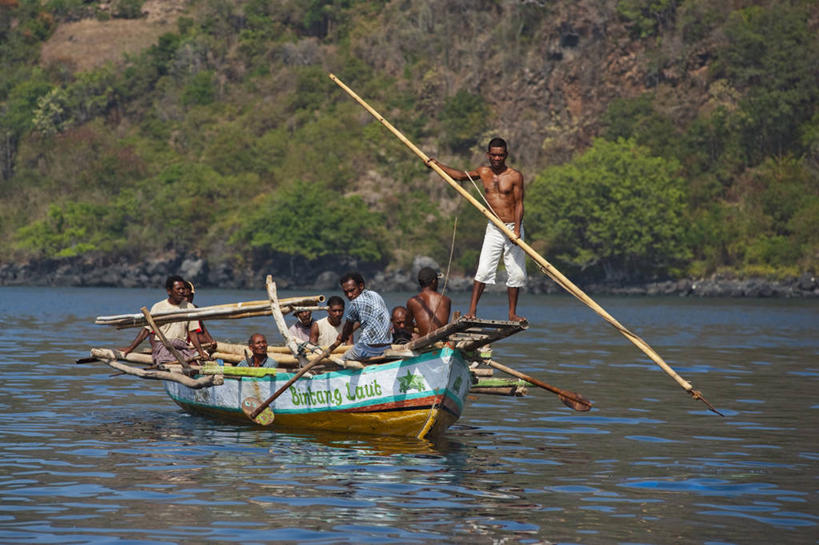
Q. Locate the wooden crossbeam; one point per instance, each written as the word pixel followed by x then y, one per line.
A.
pixel 476 333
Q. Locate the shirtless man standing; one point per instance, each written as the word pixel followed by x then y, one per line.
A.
pixel 429 309
pixel 503 189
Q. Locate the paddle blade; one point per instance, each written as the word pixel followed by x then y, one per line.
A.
pixel 576 402
pixel 87 360
pixel 264 418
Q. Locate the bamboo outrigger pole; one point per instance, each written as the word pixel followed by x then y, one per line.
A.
pixel 545 266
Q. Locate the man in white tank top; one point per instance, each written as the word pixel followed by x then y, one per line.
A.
pixel 324 332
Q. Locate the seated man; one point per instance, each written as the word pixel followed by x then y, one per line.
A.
pixel 366 308
pixel 258 353
pixel 324 332
pixel 429 309
pixel 401 327
pixel 301 329
pixel 177 333
pixel 205 339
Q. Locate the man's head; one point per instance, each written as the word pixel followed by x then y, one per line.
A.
pixel 399 318
pixel 189 291
pixel 496 153
pixel 335 310
pixel 176 287
pixel 401 326
pixel 496 142
pixel 427 277
pixel 257 344
pixel 352 284
pixel 305 317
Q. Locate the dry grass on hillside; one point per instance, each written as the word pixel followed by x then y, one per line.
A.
pixel 89 43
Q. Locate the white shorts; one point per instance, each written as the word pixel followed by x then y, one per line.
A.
pixel 495 245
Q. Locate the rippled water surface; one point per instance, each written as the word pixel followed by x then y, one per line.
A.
pixel 92 458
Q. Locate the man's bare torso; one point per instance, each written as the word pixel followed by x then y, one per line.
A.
pixel 500 191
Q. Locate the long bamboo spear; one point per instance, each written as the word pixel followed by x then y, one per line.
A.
pixel 545 266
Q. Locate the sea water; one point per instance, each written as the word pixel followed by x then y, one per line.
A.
pixel 88 457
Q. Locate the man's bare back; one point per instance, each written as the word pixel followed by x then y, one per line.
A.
pixel 429 309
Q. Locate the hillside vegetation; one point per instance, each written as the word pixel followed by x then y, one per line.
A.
pixel 658 138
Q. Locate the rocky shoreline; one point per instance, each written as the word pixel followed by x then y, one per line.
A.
pixel 152 274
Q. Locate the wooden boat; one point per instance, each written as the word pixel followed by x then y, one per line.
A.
pixel 415 390
pixel 413 397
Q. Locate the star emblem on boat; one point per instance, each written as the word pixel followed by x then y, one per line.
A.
pixel 410 381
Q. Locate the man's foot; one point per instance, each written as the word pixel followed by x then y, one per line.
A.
pixel 515 318
pixel 469 316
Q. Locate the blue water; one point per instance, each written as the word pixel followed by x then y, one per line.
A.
pixel 91 458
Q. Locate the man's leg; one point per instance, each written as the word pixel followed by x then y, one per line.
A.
pixel 477 291
pixel 491 253
pixel 514 258
pixel 513 305
pixel 361 351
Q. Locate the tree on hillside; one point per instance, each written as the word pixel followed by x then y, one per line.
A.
pixel 772 57
pixel 311 221
pixel 615 211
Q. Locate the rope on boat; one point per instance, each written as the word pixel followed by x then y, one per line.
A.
pixel 451 251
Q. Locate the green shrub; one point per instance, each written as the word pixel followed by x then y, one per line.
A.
pixel 647 17
pixel 201 90
pixel 127 9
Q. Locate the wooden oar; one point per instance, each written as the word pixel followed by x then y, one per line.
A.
pixel 570 399
pixel 164 340
pixel 545 266
pixel 259 412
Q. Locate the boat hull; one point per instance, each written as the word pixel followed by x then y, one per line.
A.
pixel 415 397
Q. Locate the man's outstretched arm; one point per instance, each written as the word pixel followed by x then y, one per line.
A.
pixel 457 175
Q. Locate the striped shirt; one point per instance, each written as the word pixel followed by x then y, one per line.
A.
pixel 370 310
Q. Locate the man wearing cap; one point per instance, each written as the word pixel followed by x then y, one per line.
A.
pixel 301 328
pixel 429 309
pixel 207 342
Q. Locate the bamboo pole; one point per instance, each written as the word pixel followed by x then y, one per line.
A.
pixel 545 266
pixel 234 348
pixel 214 312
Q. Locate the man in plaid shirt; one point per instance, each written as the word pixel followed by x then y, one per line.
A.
pixel 366 308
